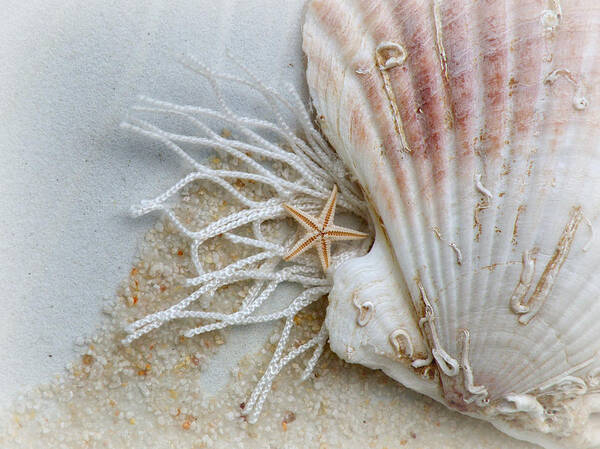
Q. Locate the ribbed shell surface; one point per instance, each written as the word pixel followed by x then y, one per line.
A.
pixel 473 128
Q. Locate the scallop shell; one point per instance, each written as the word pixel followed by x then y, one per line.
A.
pixel 472 128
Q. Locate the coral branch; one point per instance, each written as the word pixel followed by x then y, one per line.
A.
pixel 307 170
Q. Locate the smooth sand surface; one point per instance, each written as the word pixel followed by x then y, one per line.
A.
pixel 70 72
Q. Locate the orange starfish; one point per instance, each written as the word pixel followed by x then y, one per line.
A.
pixel 321 231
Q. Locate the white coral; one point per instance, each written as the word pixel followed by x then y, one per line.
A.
pixel 317 168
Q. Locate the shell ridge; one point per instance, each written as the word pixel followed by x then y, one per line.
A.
pixel 458 79
pixel 387 167
pixel 494 151
pixel 403 169
pixel 497 152
pixel 584 296
pixel 428 100
pixel 536 211
pixel 525 101
pixel 485 207
pixel 437 94
pixel 445 188
pixel 552 104
pixel 431 104
pixel 468 84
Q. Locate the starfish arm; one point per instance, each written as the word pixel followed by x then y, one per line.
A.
pixel 334 232
pixel 307 221
pixel 324 250
pixel 329 210
pixel 304 244
pixel 321 231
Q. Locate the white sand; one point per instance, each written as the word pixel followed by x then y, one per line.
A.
pixel 154 394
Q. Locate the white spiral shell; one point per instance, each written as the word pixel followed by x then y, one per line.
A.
pixel 473 128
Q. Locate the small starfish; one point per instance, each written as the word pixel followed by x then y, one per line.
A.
pixel 321 231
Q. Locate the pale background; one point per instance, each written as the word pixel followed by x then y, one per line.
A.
pixel 69 72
